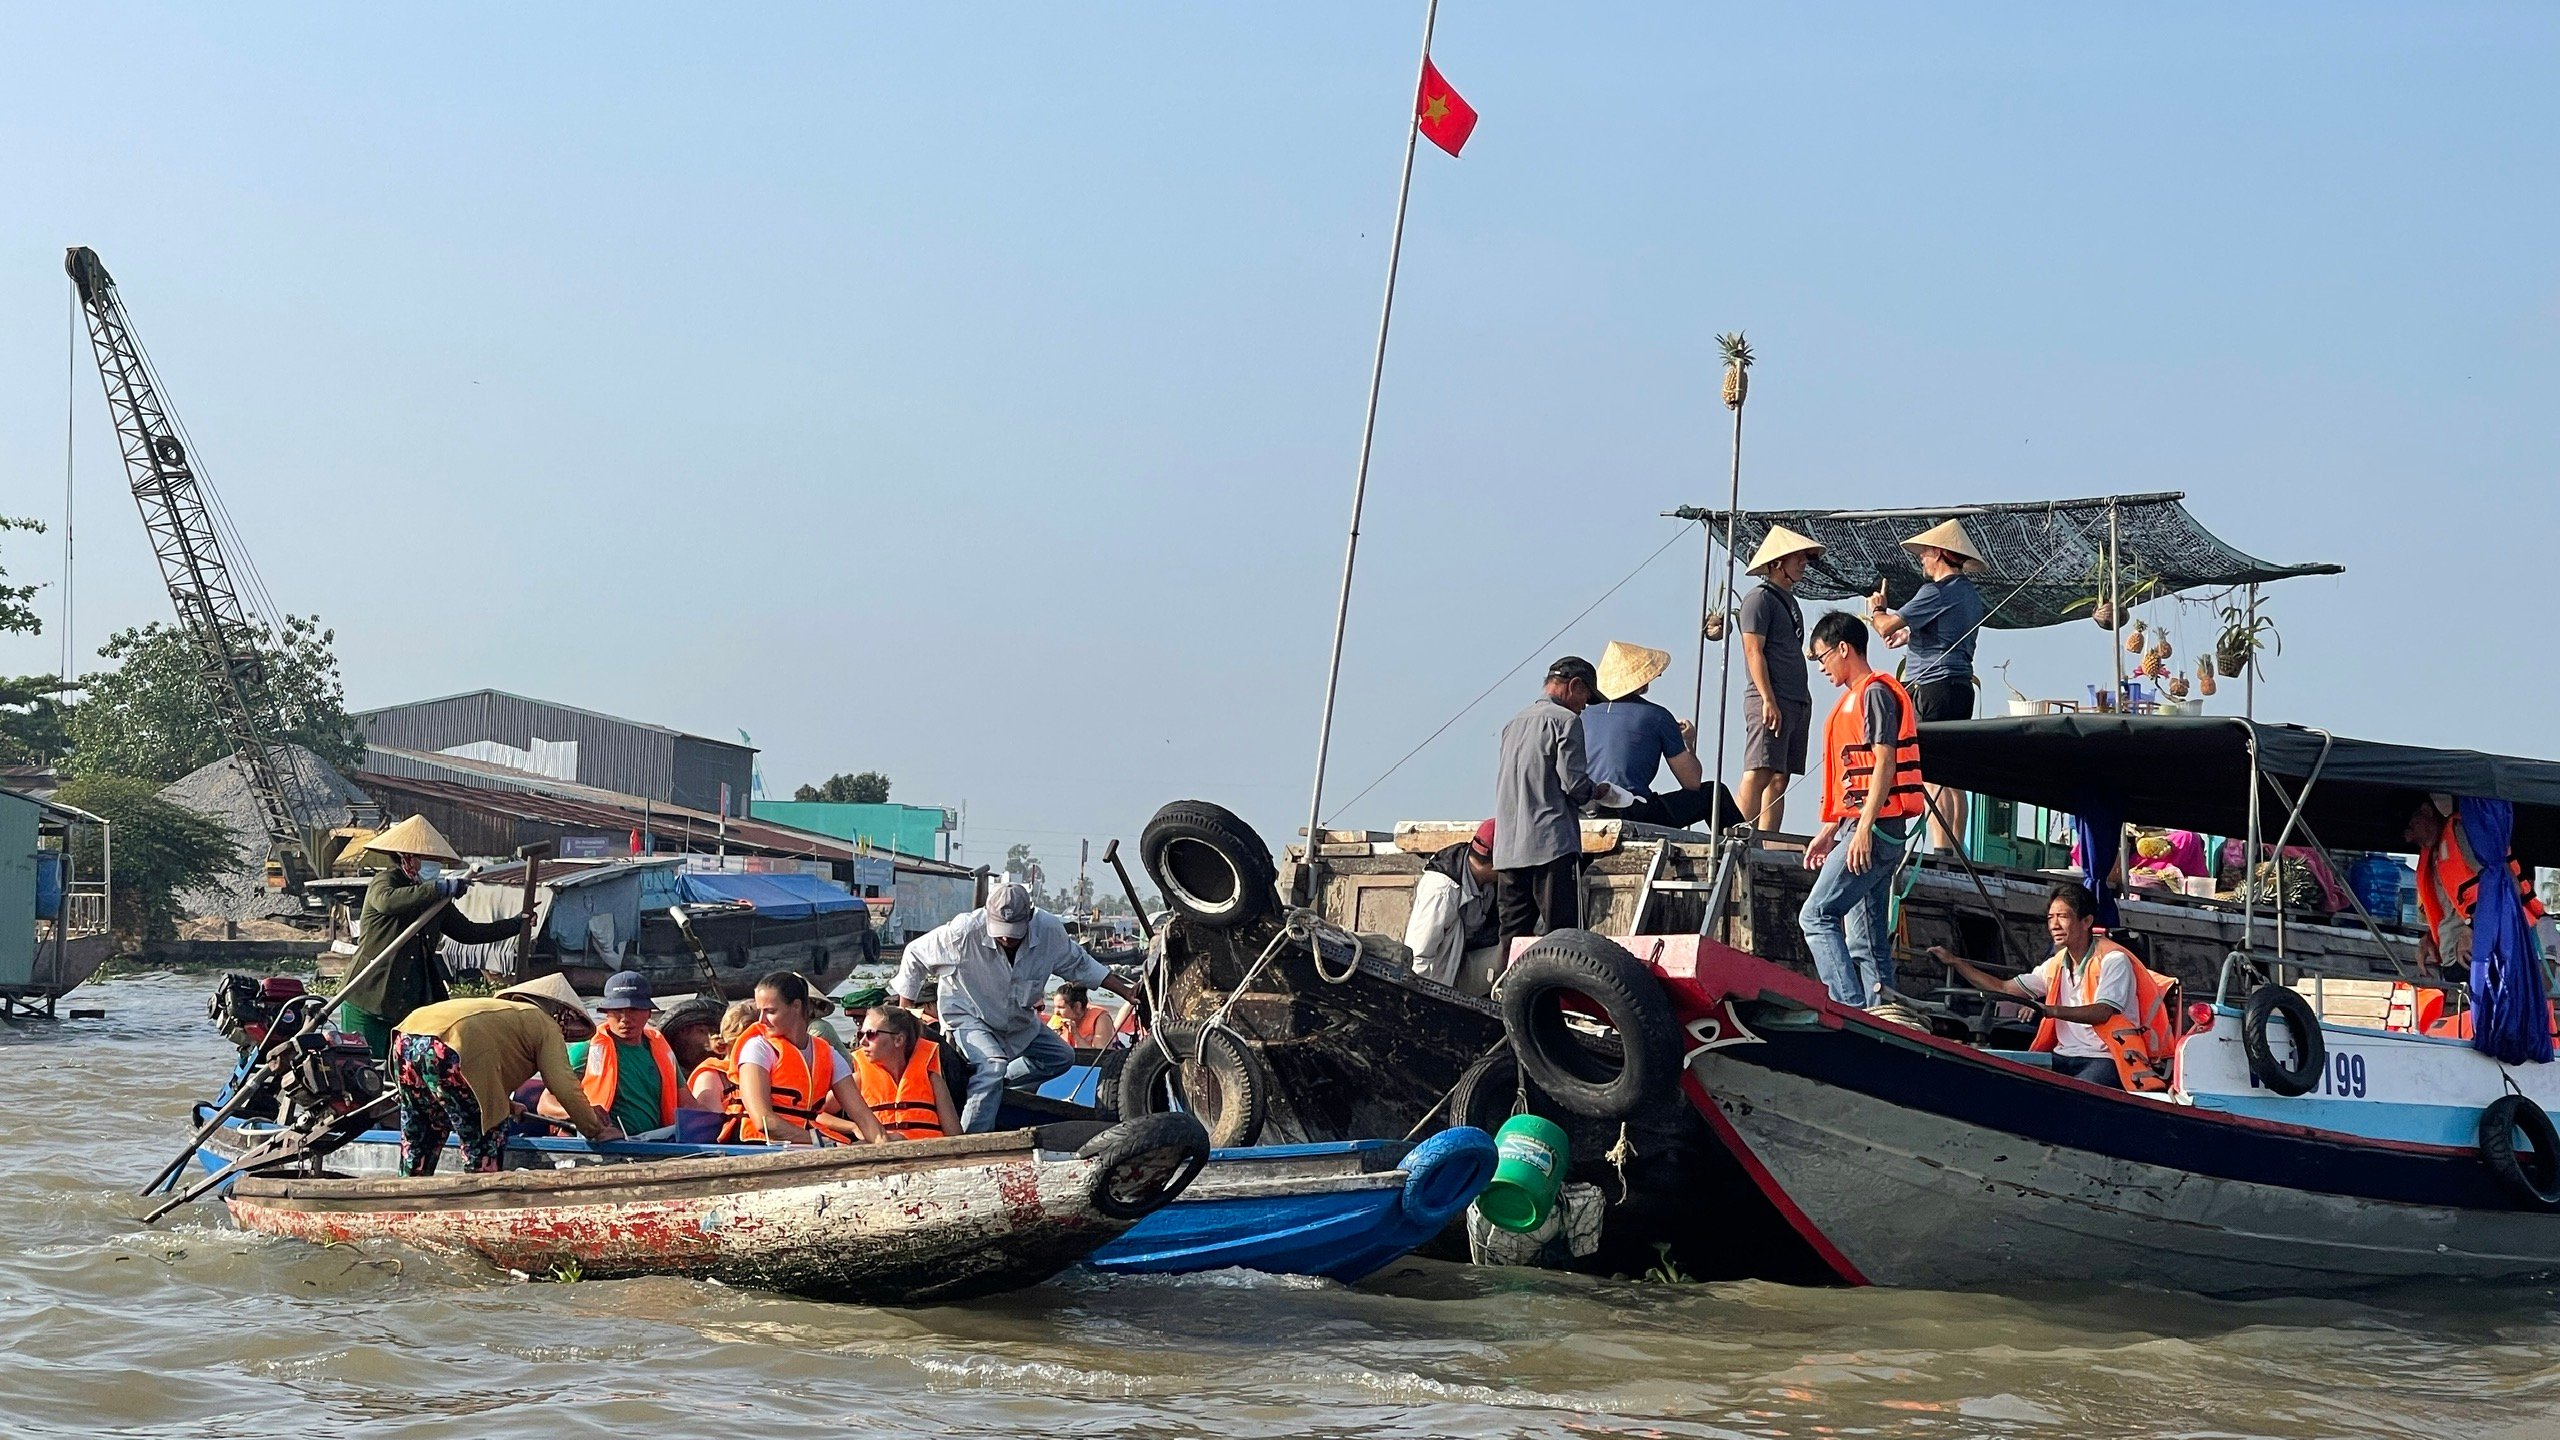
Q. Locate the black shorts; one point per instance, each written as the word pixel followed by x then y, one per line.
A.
pixel 1943 699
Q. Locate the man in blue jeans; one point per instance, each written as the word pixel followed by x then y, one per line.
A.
pixel 1871 792
pixel 989 969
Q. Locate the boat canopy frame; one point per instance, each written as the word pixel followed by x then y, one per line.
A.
pixel 2222 775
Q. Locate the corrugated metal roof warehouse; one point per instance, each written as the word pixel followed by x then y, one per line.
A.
pixel 567 743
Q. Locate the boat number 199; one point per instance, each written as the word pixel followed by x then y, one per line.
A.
pixel 2342 1077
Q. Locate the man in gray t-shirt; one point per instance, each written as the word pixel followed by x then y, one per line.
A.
pixel 1777 701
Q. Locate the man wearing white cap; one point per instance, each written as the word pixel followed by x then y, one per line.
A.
pixel 1777 704
pixel 1939 623
pixel 989 969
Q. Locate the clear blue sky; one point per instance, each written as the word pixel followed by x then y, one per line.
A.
pixel 971 393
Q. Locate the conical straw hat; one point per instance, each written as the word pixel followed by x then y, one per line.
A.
pixel 1951 538
pixel 1781 543
pixel 553 987
pixel 1626 669
pixel 414 836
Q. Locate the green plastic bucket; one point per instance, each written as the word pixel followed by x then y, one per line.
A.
pixel 1531 1155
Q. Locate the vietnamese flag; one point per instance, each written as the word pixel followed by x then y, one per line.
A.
pixel 1444 119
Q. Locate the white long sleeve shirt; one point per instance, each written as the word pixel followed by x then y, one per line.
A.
pixel 976 987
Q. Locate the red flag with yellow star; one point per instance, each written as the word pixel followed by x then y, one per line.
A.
pixel 1444 119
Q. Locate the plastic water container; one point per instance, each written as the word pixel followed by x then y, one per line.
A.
pixel 1531 1156
pixel 49 884
pixel 2376 881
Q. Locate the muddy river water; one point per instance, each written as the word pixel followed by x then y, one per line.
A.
pixel 195 1329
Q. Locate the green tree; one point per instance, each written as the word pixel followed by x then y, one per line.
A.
pixel 161 848
pixel 149 716
pixel 17 616
pixel 34 720
pixel 868 788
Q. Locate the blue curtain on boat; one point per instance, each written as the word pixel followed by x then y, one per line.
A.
pixel 2510 1000
pixel 2099 827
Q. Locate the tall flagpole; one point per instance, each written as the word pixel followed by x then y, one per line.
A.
pixel 1360 484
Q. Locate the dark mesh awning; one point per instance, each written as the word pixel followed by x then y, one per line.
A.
pixel 2046 558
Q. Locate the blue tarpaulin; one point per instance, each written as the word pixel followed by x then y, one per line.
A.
pixel 777 897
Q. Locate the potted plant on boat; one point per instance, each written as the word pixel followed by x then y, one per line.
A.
pixel 2117 589
pixel 2244 642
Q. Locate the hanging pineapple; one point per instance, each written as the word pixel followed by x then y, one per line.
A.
pixel 2163 647
pixel 2204 677
pixel 2133 638
pixel 2178 687
pixel 1737 369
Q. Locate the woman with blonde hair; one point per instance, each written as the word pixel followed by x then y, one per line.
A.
pixel 713 1079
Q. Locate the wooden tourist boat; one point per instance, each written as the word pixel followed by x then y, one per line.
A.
pixel 1341 1211
pixel 920 1222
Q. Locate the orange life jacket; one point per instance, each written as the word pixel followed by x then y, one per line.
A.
pixel 1091 1035
pixel 603 1077
pixel 903 1103
pixel 797 1094
pixel 1849 762
pixel 2135 1041
pixel 2449 885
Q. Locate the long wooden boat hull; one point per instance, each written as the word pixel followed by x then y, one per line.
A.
pixel 925 1221
pixel 1904 1159
pixel 1342 1211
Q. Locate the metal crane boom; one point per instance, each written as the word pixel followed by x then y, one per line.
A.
pixel 225 638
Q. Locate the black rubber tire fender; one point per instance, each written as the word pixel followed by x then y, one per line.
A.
pixel 1212 869
pixel 1488 1091
pixel 1624 990
pixel 2533 1174
pixel 1219 1079
pixel 1144 1163
pixel 2265 1003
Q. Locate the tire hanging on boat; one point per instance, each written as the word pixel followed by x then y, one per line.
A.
pixel 1144 1163
pixel 1219 1079
pixel 2311 1048
pixel 1600 975
pixel 1488 1093
pixel 2533 1174
pixel 1214 871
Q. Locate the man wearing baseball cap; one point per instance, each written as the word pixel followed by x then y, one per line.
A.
pixel 1540 788
pixel 989 969
pixel 1453 934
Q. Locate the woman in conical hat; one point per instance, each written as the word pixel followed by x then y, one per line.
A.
pixel 1938 623
pixel 384 994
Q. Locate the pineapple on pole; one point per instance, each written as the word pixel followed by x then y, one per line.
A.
pixel 1712 605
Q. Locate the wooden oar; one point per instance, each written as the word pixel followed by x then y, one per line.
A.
pixel 282 1148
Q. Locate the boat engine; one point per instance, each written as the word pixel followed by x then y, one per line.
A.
pixel 330 1072
pixel 244 1007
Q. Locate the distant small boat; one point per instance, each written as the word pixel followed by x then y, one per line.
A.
pixel 1343 1211
pixel 917 1222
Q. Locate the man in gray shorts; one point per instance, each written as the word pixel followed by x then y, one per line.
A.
pixel 1777 706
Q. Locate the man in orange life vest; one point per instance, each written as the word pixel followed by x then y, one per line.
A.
pixel 1870 794
pixel 900 1072
pixel 2089 981
pixel 627 1070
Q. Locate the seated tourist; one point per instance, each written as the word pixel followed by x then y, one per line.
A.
pixel 1079 1021
pixel 458 1062
pixel 714 1080
pixel 690 1027
pixel 900 1073
pixel 785 1073
pixel 628 1069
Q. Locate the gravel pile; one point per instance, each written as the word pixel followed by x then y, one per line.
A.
pixel 218 792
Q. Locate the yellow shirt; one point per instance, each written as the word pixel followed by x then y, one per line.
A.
pixel 502 1044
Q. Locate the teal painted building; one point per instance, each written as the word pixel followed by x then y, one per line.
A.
pixel 908 829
